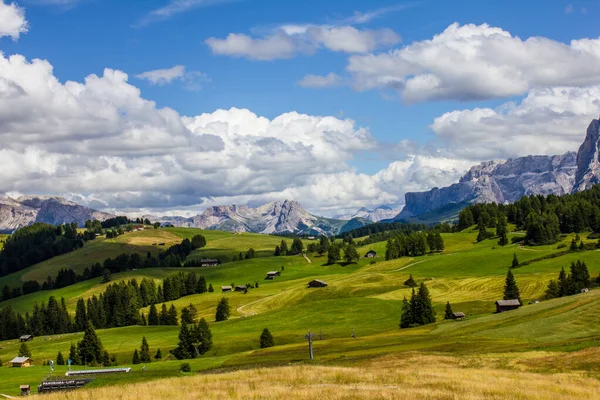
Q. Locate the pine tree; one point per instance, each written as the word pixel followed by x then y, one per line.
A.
pixel 483 233
pixel 501 230
pixel 573 245
pixel 145 351
pixel 515 261
pixel 427 315
pixel 201 338
pixel 284 247
pixel 24 350
pixel 81 318
pixel 277 251
pixel 60 359
pixel 136 357
pixel 351 254
pixel 143 321
pixel 172 316
pixel 201 286
pixel 410 282
pixel 266 339
pixel 511 290
pixel 164 315
pixel 74 355
pixel 333 254
pixel 448 314
pixel 182 351
pixel 106 276
pixel 153 315
pixel 222 313
pixel 210 288
pixel 406 319
pixel 158 355
pixel 90 347
pixel 106 359
pixel 297 246
pixel 563 283
pixel 186 316
pixel 552 291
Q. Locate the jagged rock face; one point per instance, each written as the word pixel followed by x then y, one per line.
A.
pixel 274 217
pixel 588 159
pixel 499 182
pixel 378 214
pixel 17 213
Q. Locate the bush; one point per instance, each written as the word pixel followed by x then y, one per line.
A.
pixel 185 367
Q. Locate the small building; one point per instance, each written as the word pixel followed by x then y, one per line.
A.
pixel 311 238
pixel 241 288
pixel 25 390
pixel 225 288
pixel 585 290
pixel 26 338
pixel 21 362
pixel 317 283
pixel 209 262
pixel 507 305
pixel 272 274
pixel 459 315
pixel 371 254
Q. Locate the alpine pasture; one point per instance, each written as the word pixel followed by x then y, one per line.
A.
pixel 553 343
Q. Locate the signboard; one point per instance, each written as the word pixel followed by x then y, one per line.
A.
pixel 66 384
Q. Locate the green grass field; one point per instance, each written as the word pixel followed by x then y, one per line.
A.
pixel 364 298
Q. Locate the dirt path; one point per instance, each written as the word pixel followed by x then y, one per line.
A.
pixel 409 265
pixel 6 396
pixel 307 259
pixel 240 309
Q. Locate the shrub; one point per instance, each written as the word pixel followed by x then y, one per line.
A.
pixel 185 367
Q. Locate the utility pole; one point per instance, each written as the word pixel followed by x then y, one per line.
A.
pixel 310 338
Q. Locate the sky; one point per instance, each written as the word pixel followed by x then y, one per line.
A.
pixel 170 106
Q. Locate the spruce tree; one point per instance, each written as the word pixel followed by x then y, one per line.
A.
pixel 511 290
pixel 74 355
pixel 182 351
pixel 24 350
pixel 90 347
pixel 106 359
pixel 448 314
pixel 164 315
pixel 515 261
pixel 186 316
pixel 284 247
pixel 351 254
pixel 563 283
pixel 158 355
pixel 552 291
pixel 483 233
pixel 406 319
pixel 201 286
pixel 172 315
pixel 266 339
pixel 410 282
pixel 222 313
pixel 153 315
pixel 277 251
pixel 81 318
pixel 427 315
pixel 501 230
pixel 573 245
pixel 145 351
pixel 136 357
pixel 60 359
pixel 201 338
pixel 210 288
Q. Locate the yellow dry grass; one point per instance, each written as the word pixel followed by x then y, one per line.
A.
pixel 149 237
pixel 392 377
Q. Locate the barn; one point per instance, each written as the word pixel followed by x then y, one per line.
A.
pixel 272 274
pixel 241 288
pixel 26 338
pixel 458 315
pixel 21 362
pixel 317 283
pixel 225 288
pixel 507 305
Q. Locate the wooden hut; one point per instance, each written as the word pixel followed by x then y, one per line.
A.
pixel 507 305
pixel 25 390
pixel 458 315
pixel 209 262
pixel 225 288
pixel 26 338
pixel 272 274
pixel 317 283
pixel 21 362
pixel 371 254
pixel 240 288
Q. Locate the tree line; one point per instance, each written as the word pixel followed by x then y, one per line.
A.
pixel 413 244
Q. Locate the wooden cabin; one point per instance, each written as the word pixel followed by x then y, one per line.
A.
pixel 317 283
pixel 507 305
pixel 209 262
pixel 241 288
pixel 226 288
pixel 371 254
pixel 25 390
pixel 21 362
pixel 459 315
pixel 26 338
pixel 272 274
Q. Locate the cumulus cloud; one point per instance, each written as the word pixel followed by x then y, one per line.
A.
pixel 475 62
pixel 547 121
pixel 318 81
pixel 12 20
pixel 192 80
pixel 290 40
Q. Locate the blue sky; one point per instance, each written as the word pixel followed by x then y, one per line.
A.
pixel 85 37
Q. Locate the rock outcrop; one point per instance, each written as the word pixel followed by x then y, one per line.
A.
pixel 507 181
pixel 374 215
pixel 24 211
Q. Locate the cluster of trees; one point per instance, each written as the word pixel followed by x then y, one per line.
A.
pixel 296 248
pixel 418 310
pixel 163 318
pixel 413 244
pixel 37 243
pixel 143 356
pixel 113 222
pixel 194 340
pixel 334 253
pixel 544 218
pixel 380 227
pixel 572 283
pixel 45 319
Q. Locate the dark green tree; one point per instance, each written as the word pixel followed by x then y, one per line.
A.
pixel 333 255
pixel 410 282
pixel 297 246
pixel 564 283
pixel 406 319
pixel 153 316
pixel 210 288
pixel 515 261
pixel 90 347
pixel 164 315
pixel 448 314
pixel 158 355
pixel 172 316
pixel 24 350
pixel 511 290
pixel 74 355
pixel 277 251
pixel 136 358
pixel 427 313
pixel 182 351
pixel 284 247
pixel 201 338
pixel 222 313
pixel 198 242
pixel 553 290
pixel 81 319
pixel 502 230
pixel 145 351
pixel 351 255
pixel 266 339
pixel 60 359
pixel 106 276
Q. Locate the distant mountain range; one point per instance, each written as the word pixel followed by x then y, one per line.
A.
pixel 374 215
pixel 507 181
pixel 275 217
pixel 23 211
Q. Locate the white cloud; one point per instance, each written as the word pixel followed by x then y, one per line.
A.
pixel 174 7
pixel 547 121
pixel 163 76
pixel 12 20
pixel 474 62
pixel 192 80
pixel 318 81
pixel 290 40
pixel 365 17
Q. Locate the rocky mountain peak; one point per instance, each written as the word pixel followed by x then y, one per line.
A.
pixel 588 159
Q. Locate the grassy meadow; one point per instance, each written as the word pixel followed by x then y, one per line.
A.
pixel 538 342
